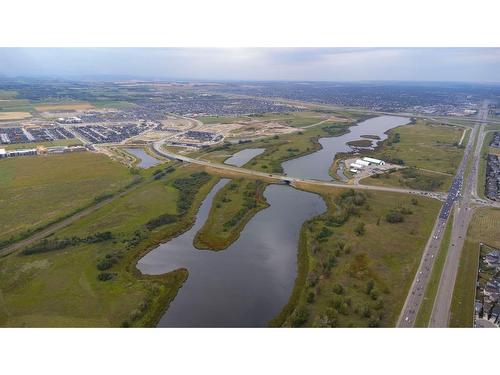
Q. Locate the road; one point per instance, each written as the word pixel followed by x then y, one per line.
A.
pixel 157 147
pixel 461 219
pixel 463 214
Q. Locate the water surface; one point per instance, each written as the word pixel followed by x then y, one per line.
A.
pixel 247 284
pixel 146 160
pixel 317 164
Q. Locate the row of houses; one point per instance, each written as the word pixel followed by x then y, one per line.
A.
pixel 487 301
pixel 363 163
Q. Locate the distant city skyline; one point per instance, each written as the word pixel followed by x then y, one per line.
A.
pixel 281 64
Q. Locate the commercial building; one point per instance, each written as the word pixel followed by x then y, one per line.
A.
pixel 373 161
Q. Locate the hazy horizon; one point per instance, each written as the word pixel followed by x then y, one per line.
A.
pixel 256 64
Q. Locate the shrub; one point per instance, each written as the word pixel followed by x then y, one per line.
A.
pixel 105 276
pixel 394 217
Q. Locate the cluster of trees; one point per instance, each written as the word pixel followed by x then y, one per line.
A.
pixel 159 173
pixel 250 202
pixel 108 261
pixel 349 203
pixel 161 220
pixel 393 138
pixel 397 215
pixel 335 129
pixel 58 244
pixel 416 180
pixel 188 187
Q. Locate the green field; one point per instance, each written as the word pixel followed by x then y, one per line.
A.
pixel 483 228
pixel 15 105
pixel 355 268
pixel 411 178
pixel 424 145
pixel 62 287
pixel 36 190
pixel 295 119
pixel 425 310
pixel 58 142
pixel 233 206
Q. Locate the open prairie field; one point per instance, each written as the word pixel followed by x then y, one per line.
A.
pixel 355 267
pixel 63 107
pixel 9 116
pixel 411 178
pixel 294 119
pixel 484 227
pixel 36 190
pixel 424 145
pixel 93 281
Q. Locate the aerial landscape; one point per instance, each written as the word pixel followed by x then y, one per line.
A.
pixel 135 201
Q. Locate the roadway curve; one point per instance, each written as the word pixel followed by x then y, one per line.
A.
pixel 157 147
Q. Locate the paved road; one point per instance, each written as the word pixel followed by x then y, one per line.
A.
pixel 461 221
pixel 441 311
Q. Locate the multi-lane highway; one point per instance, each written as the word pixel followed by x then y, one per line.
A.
pixel 461 221
pixel 463 215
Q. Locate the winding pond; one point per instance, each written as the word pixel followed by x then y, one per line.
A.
pixel 249 283
pixel 145 160
pixel 317 164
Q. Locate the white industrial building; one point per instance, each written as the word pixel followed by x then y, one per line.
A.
pixel 373 161
pixel 3 153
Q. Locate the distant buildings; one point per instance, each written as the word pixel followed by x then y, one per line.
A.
pixel 492 183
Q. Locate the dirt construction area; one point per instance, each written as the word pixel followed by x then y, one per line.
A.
pixel 250 129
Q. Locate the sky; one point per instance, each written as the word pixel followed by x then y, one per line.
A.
pixel 295 64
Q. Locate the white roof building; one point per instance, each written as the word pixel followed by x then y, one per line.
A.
pixel 3 153
pixel 357 166
pixel 362 162
pixel 373 161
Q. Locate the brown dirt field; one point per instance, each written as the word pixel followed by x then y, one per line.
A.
pixel 14 115
pixel 63 107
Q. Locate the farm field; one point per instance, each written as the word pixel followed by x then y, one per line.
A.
pixel 233 206
pixel 354 264
pixel 95 282
pixel 483 228
pixel 40 189
pixel 7 116
pixel 63 107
